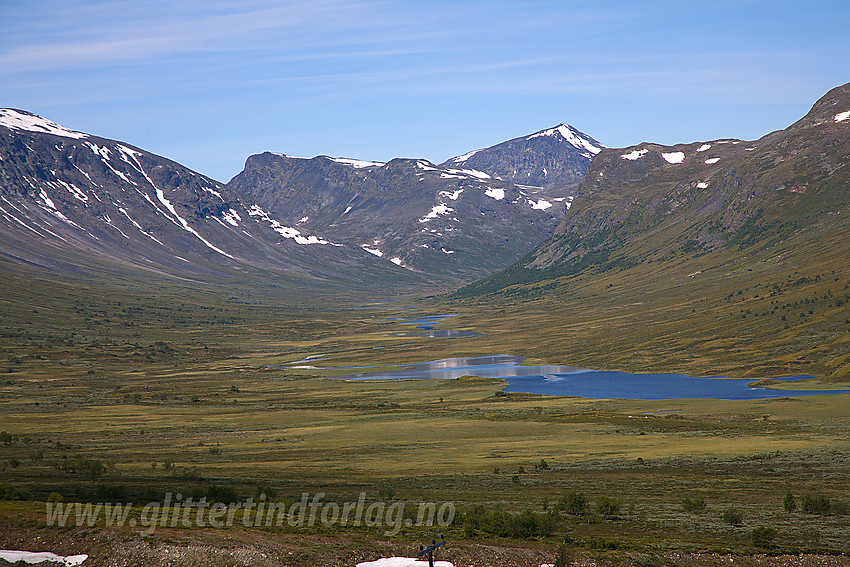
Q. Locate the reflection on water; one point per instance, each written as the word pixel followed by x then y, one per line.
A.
pixel 427 323
pixel 442 334
pixel 555 380
pixel 498 366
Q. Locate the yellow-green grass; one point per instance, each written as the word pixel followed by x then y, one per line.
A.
pixel 198 379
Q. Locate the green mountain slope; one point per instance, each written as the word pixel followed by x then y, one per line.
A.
pixel 745 243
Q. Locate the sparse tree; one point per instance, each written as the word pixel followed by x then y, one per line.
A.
pixel 694 505
pixel 573 503
pixel 763 537
pixel 733 516
pixel 607 507
pixel 790 503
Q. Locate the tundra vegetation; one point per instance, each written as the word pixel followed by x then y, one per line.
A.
pixel 129 391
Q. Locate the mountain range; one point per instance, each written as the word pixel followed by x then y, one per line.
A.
pixel 520 213
pixel 76 202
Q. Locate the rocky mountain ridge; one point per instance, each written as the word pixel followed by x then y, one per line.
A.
pixel 69 199
pixel 411 212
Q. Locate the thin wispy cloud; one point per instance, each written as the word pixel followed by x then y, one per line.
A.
pixel 307 75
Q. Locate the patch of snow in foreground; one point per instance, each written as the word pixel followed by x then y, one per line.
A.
pixel 37 557
pixel 674 157
pixel 634 154
pixel 842 116
pixel 402 562
pixel 712 161
pixel 497 194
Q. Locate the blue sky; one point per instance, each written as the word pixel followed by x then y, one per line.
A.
pixel 208 83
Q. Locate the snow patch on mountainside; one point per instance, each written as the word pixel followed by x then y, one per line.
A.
pixel 464 157
pixel 704 147
pixel 674 157
pixel 437 210
pixel 358 163
pixel 471 172
pixel 712 161
pixel 374 251
pixel 453 195
pixel 634 154
pixel 160 195
pixel 542 204
pixel 231 217
pixel 497 194
pixel 75 191
pixel 286 231
pixel 18 120
pixel 126 214
pixel 842 116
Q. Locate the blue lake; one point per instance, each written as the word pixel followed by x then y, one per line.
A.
pixel 556 380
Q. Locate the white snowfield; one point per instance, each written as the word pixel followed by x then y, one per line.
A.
pixel 437 210
pixel 13 556
pixel 358 163
pixel 497 194
pixel 541 205
pixel 464 157
pixel 674 157
pixel 286 231
pixel 842 116
pixel 402 562
pixel 374 251
pixel 16 120
pixel 634 154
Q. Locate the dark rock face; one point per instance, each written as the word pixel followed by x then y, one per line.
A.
pixel 437 220
pixel 68 199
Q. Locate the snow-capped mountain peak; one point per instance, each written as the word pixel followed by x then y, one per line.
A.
pixel 573 136
pixel 21 120
pixel 549 158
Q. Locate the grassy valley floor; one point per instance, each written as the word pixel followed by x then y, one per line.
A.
pixel 127 394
